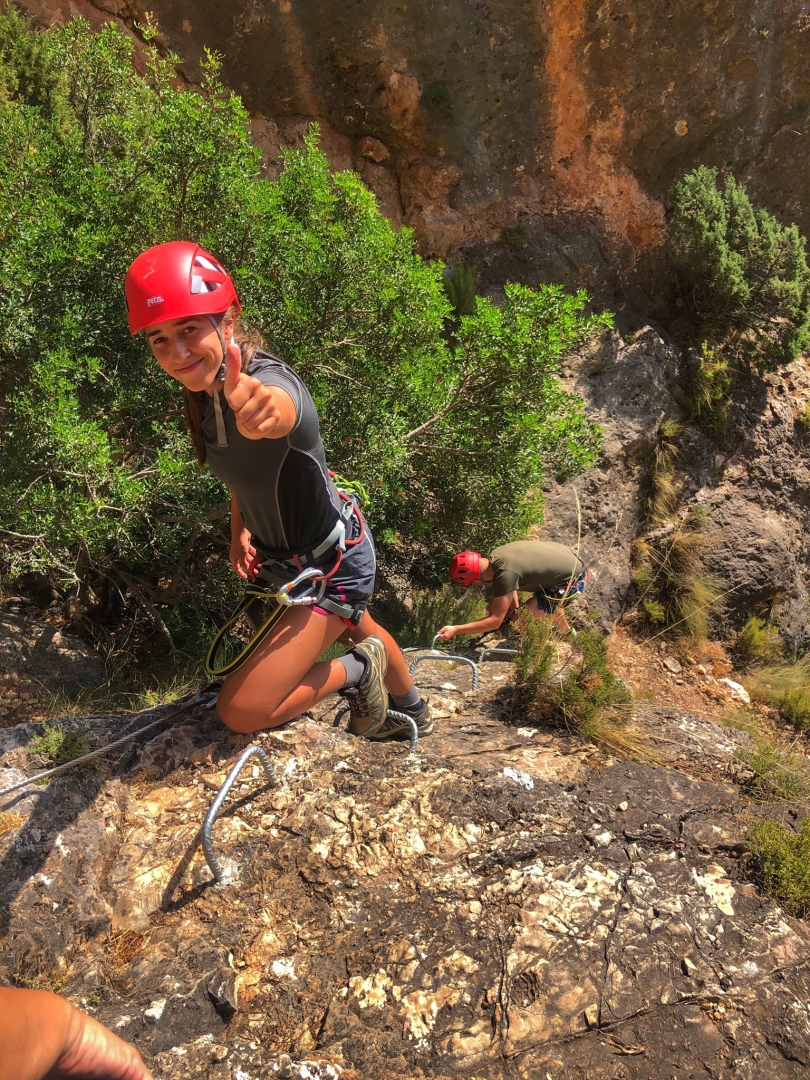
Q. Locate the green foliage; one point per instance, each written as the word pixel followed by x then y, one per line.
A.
pixel 591 692
pixel 743 274
pixel 58 745
pixel 785 687
pixel 758 642
pixel 584 696
pixel 450 439
pixel 783 862
pixel 804 417
pixel 427 610
pixel 461 285
pixel 515 236
pixel 710 386
pixel 534 659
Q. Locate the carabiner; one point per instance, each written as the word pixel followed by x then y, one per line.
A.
pixel 312 573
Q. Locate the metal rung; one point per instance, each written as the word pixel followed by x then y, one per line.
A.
pixel 222 794
pixel 489 652
pixel 437 654
pixel 409 720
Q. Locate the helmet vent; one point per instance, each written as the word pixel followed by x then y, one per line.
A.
pixel 198 285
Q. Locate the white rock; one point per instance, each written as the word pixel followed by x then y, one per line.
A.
pixel 737 690
pixel 155 1010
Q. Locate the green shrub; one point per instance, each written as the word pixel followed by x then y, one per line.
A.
pixel 782 860
pixel 585 697
pixel 743 274
pixel 427 611
pixel 534 659
pixel 451 439
pixel 461 285
pixel 758 642
pixel 58 745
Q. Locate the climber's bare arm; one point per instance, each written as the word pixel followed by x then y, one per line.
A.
pixel 42 1037
pixel 496 613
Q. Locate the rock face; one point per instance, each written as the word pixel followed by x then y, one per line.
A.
pixel 508 904
pixel 563 123
pixel 754 496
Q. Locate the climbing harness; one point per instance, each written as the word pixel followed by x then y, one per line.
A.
pixel 272 570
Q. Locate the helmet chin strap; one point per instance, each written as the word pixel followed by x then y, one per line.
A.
pixel 217 326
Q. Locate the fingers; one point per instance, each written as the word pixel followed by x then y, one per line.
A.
pixel 254 408
pixel 233 370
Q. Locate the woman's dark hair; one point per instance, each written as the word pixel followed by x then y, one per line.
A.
pixel 194 400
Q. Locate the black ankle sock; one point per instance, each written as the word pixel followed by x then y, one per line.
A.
pixel 411 700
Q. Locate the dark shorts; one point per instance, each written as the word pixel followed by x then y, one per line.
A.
pixel 353 582
pixel 563 594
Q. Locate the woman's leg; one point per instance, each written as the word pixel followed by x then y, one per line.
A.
pixel 282 679
pixel 398 680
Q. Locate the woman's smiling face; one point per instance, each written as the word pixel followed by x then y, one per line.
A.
pixel 190 349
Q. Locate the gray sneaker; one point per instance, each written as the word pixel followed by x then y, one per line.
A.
pixel 392 728
pixel 368 703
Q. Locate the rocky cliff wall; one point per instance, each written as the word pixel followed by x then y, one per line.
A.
pixel 544 136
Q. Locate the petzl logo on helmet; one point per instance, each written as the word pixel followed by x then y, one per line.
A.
pixel 152 300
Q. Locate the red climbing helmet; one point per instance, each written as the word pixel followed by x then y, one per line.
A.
pixel 465 568
pixel 174 281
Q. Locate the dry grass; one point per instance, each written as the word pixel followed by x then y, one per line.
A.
pixel 785 687
pixel 9 819
pixel 121 949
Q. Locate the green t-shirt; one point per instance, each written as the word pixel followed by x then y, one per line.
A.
pixel 533 566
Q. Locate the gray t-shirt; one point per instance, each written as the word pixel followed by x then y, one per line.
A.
pixel 282 486
pixel 533 566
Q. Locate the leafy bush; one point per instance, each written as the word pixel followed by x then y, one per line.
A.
pixel 427 610
pixel 584 696
pixel 743 274
pixel 451 438
pixel 58 745
pixel 782 861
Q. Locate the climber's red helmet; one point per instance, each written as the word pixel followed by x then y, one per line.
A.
pixel 465 568
pixel 175 281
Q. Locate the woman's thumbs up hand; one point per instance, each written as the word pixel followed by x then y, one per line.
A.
pixel 261 412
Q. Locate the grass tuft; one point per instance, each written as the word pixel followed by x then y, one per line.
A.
pixel 785 687
pixel 778 773
pixel 782 861
pixel 757 643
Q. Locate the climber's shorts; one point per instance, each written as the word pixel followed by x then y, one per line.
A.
pixel 563 594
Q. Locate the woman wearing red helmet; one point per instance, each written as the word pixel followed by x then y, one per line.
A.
pixel 551 571
pixel 254 422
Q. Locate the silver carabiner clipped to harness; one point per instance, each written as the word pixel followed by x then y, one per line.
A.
pixel 311 574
